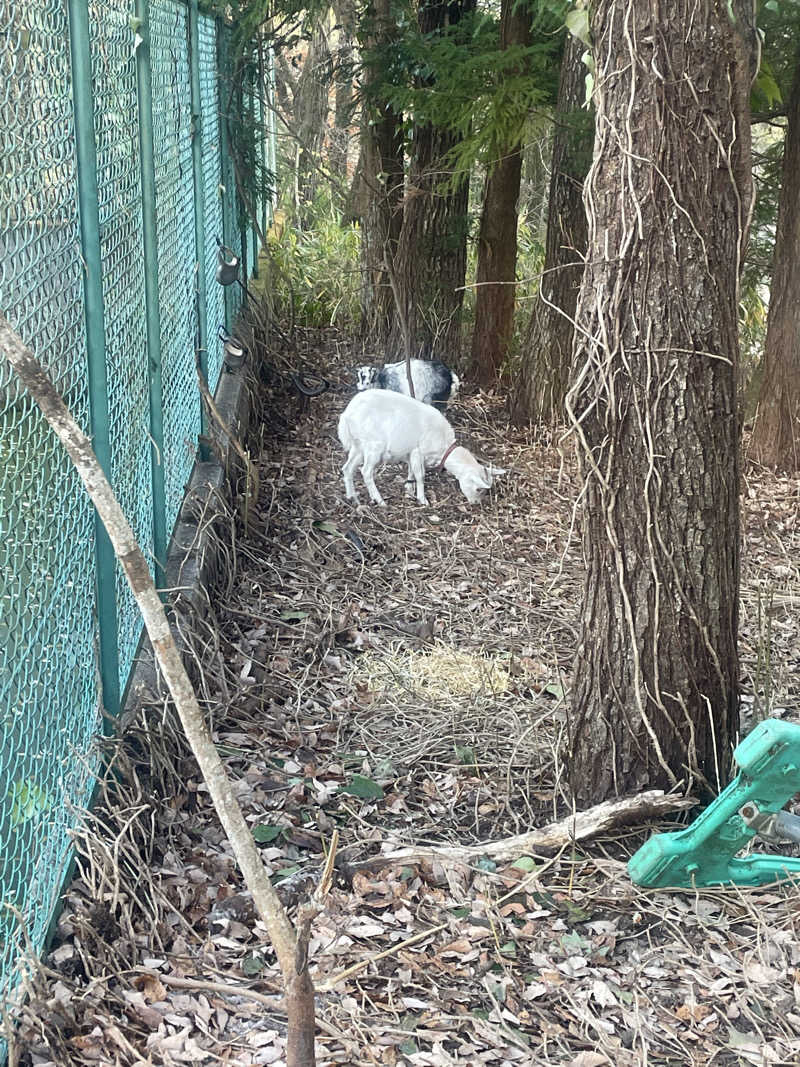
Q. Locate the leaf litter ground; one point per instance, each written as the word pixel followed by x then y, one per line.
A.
pixel 399 674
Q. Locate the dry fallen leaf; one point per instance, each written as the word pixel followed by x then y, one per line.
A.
pixel 692 1012
pixel 151 988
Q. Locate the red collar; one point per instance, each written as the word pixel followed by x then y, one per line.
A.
pixel 447 453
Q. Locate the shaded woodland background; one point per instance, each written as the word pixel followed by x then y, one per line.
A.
pixel 430 168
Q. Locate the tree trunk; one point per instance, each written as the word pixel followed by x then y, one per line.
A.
pixel 285 85
pixel 776 434
pixel 376 196
pixel 344 95
pixel 431 259
pixel 653 404
pixel 547 352
pixel 497 237
pixel 311 114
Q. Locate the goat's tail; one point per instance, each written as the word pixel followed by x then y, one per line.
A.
pixel 344 432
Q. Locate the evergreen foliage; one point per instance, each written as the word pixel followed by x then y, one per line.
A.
pixel 461 80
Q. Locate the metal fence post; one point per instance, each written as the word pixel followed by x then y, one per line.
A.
pixel 262 138
pixel 272 147
pixel 242 105
pixel 228 223
pixel 152 302
pixel 199 205
pixel 246 106
pixel 86 157
pixel 255 193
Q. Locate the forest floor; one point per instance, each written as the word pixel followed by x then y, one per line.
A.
pixel 399 674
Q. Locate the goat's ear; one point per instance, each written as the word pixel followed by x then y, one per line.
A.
pixel 495 472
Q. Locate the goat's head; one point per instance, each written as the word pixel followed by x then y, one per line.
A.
pixel 366 377
pixel 477 480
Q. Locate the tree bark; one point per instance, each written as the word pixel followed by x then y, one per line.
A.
pixel 376 198
pixel 776 434
pixel 653 404
pixel 431 259
pixel 344 102
pixel 497 238
pixel 311 114
pixel 539 391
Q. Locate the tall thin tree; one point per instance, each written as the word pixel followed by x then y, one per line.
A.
pixel 497 237
pixel 311 107
pixel 377 192
pixel 653 405
pixel 431 258
pixel 776 434
pixel 344 34
pixel 541 384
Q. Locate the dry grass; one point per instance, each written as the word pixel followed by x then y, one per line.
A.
pixel 437 674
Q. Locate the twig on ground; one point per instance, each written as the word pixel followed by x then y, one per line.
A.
pixel 325 987
pixel 578 827
pixel 274 1000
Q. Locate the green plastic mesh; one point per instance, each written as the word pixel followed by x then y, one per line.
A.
pixel 212 197
pixel 262 156
pixel 48 698
pixel 257 206
pixel 172 135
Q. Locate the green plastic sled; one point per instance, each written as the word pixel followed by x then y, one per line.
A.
pixel 704 853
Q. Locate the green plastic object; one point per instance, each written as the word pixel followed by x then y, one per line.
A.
pixel 704 853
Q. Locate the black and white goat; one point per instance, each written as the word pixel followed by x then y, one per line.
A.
pixel 379 426
pixel 434 382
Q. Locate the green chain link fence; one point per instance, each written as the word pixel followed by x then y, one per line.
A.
pixel 116 180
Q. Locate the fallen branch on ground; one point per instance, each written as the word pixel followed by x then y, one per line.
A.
pixel 581 826
pixel 335 979
pixel 272 1001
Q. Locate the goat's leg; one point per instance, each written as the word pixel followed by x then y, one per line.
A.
pixel 367 471
pixel 353 458
pixel 410 480
pixel 416 464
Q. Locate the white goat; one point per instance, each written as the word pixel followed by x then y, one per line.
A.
pixel 434 382
pixel 378 426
